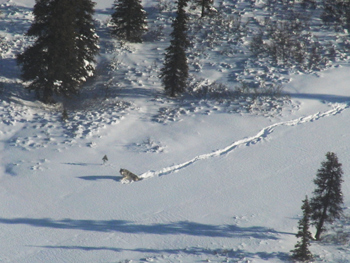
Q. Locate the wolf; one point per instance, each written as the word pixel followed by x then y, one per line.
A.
pixel 129 175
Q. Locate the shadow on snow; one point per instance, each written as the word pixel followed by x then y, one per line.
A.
pixel 101 177
pixel 175 228
pixel 322 97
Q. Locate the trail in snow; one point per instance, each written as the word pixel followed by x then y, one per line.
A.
pixel 337 108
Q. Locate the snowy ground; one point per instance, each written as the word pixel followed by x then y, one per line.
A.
pixel 222 181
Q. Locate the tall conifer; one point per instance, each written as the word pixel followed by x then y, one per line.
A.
pixel 62 56
pixel 129 20
pixel 174 73
pixel 327 202
pixel 301 251
pixel 205 6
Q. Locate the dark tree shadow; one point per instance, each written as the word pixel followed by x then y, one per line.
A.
pixel 9 169
pixel 174 228
pixel 101 177
pixel 83 164
pixel 321 97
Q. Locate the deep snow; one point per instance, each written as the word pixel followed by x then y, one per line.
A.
pixel 219 185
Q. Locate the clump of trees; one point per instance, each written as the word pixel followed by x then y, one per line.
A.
pixel 336 11
pixel 129 20
pixel 288 42
pixel 287 38
pixel 324 207
pixel 62 56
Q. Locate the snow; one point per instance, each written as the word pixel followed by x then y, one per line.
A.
pixel 220 183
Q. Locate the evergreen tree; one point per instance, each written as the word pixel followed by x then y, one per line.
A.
pixel 205 6
pixel 62 55
pixel 327 202
pixel 174 73
pixel 129 20
pixel 301 251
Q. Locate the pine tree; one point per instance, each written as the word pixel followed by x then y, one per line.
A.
pixel 174 73
pixel 87 39
pixel 129 20
pixel 301 251
pixel 326 205
pixel 205 6
pixel 62 55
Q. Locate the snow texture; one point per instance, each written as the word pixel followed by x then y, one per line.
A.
pixel 223 177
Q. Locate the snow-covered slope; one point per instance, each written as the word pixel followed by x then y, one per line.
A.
pixel 222 181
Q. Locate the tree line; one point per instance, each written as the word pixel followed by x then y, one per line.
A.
pixel 63 54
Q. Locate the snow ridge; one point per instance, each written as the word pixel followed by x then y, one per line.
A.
pixel 261 135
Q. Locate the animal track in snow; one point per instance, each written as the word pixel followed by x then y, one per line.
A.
pixel 262 134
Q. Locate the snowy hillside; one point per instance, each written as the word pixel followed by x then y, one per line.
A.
pixel 223 177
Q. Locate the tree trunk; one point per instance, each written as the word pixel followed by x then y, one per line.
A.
pixel 203 8
pixel 47 96
pixel 320 223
